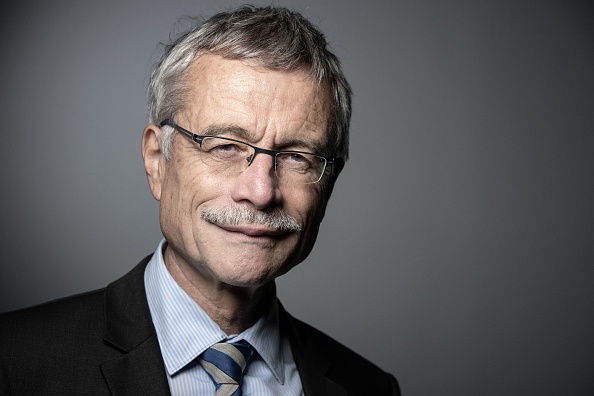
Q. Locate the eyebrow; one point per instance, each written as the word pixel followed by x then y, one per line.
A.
pixel 241 133
pixel 226 129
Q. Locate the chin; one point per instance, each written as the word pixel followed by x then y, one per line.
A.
pixel 252 274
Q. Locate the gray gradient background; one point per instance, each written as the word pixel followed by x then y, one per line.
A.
pixel 457 250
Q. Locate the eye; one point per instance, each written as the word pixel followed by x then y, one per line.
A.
pixel 295 161
pixel 296 157
pixel 223 148
pixel 226 147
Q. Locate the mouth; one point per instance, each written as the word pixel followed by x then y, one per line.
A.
pixel 241 220
pixel 253 230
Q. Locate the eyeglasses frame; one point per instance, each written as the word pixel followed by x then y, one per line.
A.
pixel 330 161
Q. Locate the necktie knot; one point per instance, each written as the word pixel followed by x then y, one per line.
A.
pixel 225 363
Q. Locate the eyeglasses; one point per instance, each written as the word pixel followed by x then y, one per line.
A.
pixel 232 155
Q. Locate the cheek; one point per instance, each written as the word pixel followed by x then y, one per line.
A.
pixel 184 189
pixel 172 209
pixel 308 205
pixel 312 198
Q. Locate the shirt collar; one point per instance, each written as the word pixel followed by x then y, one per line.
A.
pixel 265 337
pixel 185 331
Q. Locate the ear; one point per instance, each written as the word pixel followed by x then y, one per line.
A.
pixel 152 157
pixel 337 168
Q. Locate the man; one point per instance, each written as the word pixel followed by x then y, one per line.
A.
pixel 249 118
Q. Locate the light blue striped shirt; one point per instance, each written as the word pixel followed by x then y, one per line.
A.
pixel 185 331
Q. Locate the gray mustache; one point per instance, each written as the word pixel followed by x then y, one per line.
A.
pixel 276 219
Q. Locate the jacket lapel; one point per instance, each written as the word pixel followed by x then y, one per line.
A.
pixel 313 368
pixel 138 372
pixel 129 328
pixel 141 370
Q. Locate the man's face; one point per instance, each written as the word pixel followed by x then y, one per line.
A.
pixel 269 109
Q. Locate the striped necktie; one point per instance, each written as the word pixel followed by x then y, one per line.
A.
pixel 225 363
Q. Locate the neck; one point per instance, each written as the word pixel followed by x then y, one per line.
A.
pixel 232 308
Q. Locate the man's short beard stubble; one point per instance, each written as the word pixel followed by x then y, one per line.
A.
pixel 275 219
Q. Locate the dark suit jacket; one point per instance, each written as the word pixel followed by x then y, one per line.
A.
pixel 104 342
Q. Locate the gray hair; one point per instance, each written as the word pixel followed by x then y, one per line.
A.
pixel 273 37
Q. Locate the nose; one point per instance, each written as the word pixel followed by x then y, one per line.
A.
pixel 257 184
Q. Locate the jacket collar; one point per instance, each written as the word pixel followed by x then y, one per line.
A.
pixel 141 370
pixel 314 368
pixel 129 328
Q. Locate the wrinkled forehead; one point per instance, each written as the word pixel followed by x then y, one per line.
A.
pixel 239 91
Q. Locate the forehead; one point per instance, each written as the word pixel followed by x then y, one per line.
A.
pixel 260 100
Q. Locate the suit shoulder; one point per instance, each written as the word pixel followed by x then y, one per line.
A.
pixel 63 315
pixel 58 347
pixel 345 363
pixel 323 343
